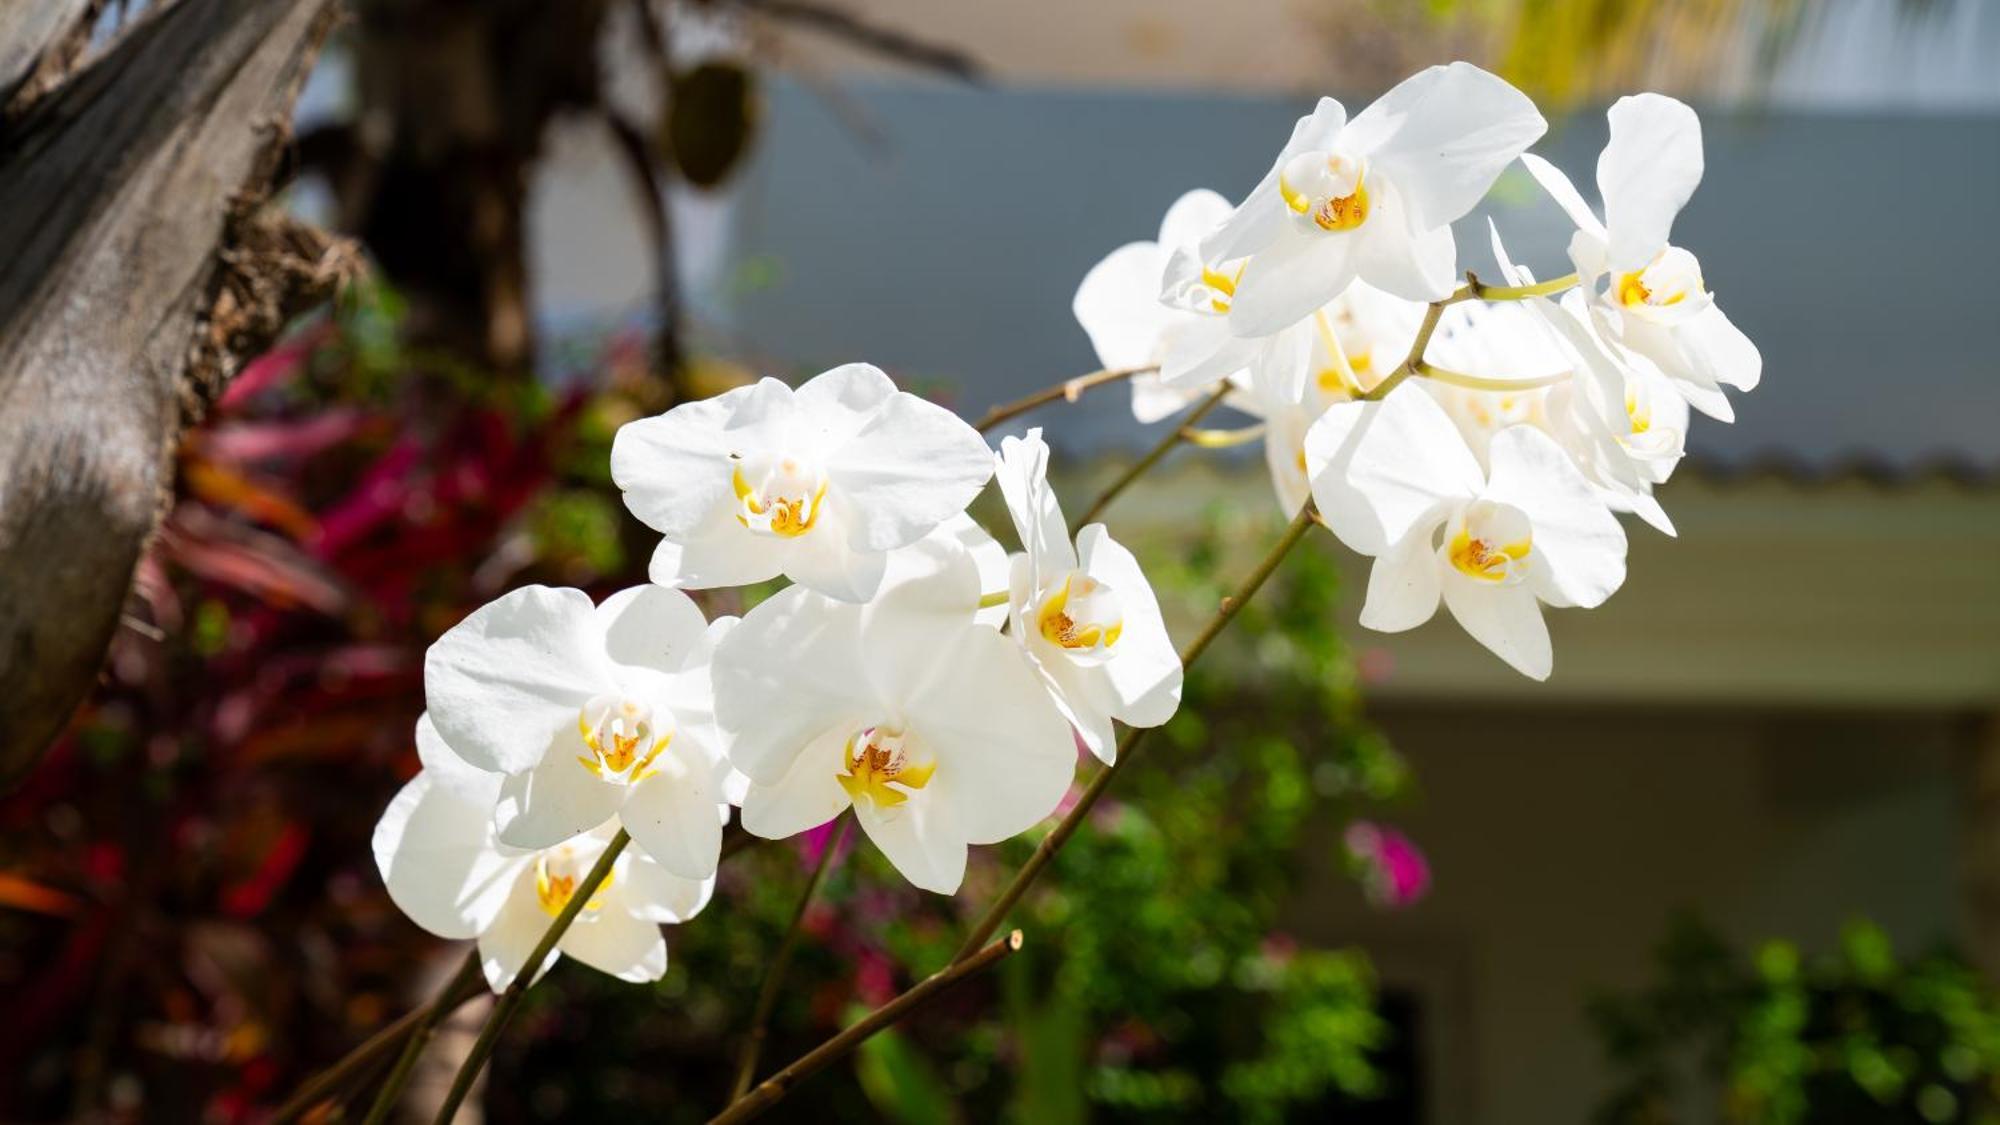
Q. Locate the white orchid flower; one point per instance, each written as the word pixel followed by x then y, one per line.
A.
pixel 930 725
pixel 1373 198
pixel 1342 352
pixel 1651 289
pixel 817 484
pixel 1119 306
pixel 446 869
pixel 1083 611
pixel 590 712
pixel 1395 481
pixel 1609 414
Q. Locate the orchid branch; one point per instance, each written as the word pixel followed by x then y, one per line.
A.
pixel 975 953
pixel 1477 290
pixel 1174 437
pixel 430 1016
pixel 774 976
pixel 320 1087
pixel 1483 383
pixel 1472 290
pixel 510 1000
pixel 1069 390
pixel 768 1092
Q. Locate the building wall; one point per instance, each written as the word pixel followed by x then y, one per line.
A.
pixel 1563 841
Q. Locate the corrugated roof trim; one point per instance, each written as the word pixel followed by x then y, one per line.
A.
pixel 1857 467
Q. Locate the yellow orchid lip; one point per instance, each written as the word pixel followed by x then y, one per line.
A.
pixel 1223 284
pixel 554 889
pixel 1476 558
pixel 626 727
pixel 787 517
pixel 1059 627
pixel 1333 212
pixel 872 767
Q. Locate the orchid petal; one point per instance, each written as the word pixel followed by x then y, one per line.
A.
pixel 1646 174
pixel 505 684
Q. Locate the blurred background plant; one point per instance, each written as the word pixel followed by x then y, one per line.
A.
pixel 1860 1035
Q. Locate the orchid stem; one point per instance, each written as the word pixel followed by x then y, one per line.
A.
pixel 317 1090
pixel 1165 446
pixel 1069 390
pixel 1474 288
pixel 975 954
pixel 768 1092
pixel 1482 383
pixel 420 1037
pixel 510 1000
pixel 774 975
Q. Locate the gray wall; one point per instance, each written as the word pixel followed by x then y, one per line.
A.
pixel 1857 251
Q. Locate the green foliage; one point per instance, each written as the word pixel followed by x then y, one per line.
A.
pixel 1779 1037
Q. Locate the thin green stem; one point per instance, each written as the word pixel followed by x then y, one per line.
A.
pixel 1472 290
pixel 1482 383
pixel 1069 390
pixel 774 975
pixel 420 1037
pixel 322 1086
pixel 1222 439
pixel 1153 456
pixel 767 1093
pixel 1483 292
pixel 1432 314
pixel 1129 745
pixel 510 1000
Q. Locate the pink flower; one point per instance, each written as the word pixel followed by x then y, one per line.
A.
pixel 1393 870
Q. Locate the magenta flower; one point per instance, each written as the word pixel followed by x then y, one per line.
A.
pixel 1393 870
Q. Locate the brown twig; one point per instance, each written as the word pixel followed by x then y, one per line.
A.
pixel 768 1092
pixel 1069 390
pixel 881 40
pixel 774 975
pixel 650 179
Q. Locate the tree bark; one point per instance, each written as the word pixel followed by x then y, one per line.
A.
pixel 455 96
pixel 30 33
pixel 117 316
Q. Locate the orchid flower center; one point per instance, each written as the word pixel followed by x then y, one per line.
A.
pixel 1491 542
pixel 624 736
pixel 557 872
pixel 1344 369
pixel 1326 187
pixel 1670 278
pixel 1495 412
pixel 1220 284
pixel 1639 410
pixel 780 496
pixel 880 767
pixel 1081 614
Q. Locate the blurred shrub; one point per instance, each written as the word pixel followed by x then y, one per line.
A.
pixel 1857 1036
